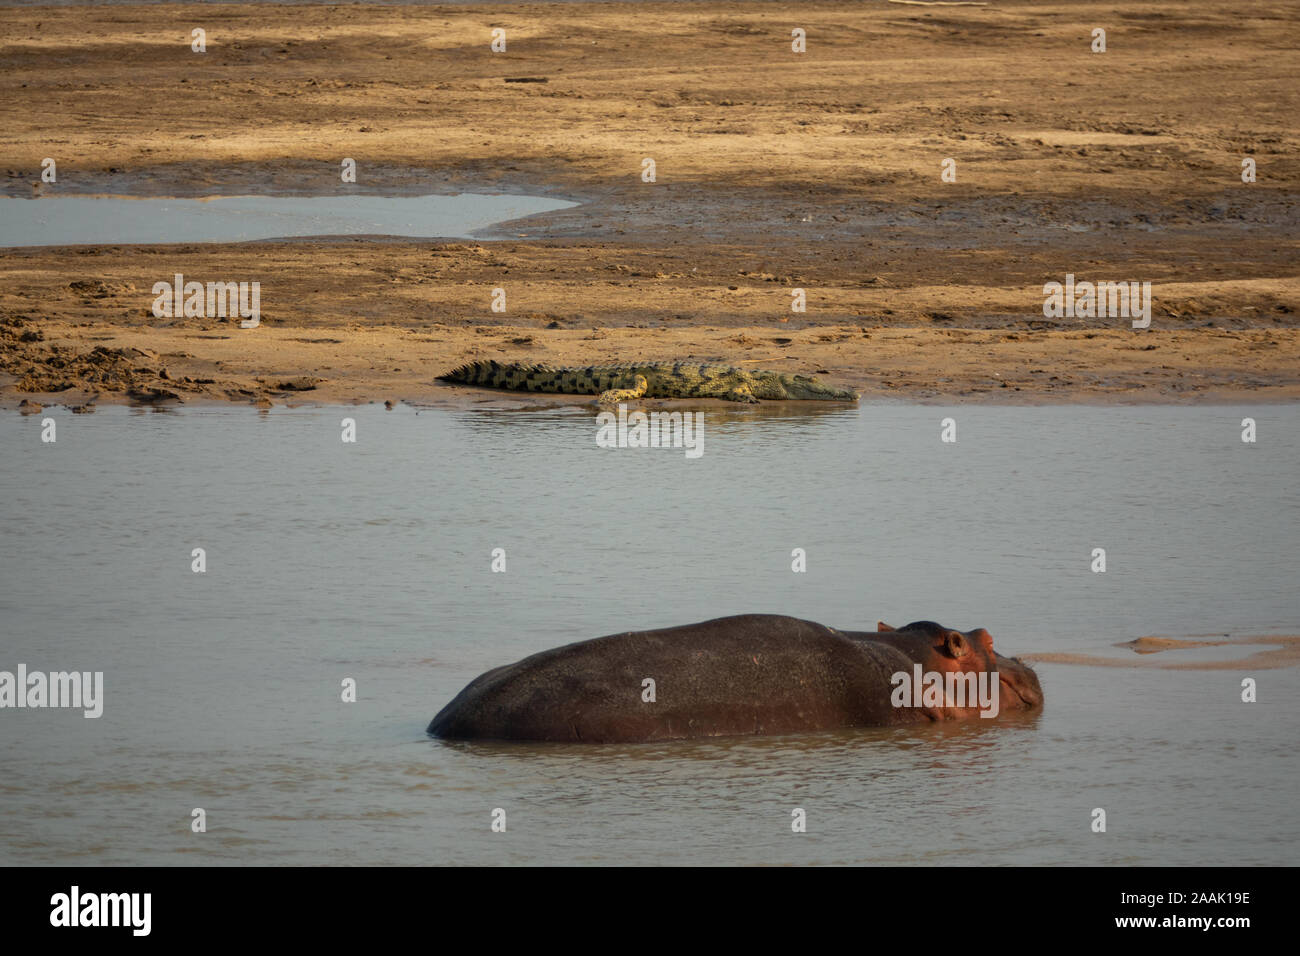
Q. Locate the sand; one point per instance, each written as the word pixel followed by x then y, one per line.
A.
pixel 1283 650
pixel 774 171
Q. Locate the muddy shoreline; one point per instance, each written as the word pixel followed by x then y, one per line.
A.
pixel 826 179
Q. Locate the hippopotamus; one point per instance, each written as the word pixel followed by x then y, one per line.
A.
pixel 747 674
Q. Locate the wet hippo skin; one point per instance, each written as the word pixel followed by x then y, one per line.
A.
pixel 747 674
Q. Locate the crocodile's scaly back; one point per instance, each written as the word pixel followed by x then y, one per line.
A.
pixel 616 383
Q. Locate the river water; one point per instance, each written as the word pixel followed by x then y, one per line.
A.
pixel 372 561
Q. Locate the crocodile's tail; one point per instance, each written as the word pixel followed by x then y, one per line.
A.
pixel 484 372
pixel 517 376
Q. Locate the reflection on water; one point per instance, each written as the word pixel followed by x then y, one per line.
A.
pixel 371 561
pixel 962 741
pixel 94 220
pixel 554 410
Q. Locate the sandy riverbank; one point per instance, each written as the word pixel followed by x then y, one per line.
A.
pixel 774 171
pixel 1159 653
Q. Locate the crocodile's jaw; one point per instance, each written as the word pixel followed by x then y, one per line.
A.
pixel 815 391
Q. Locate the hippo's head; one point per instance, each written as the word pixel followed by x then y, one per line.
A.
pixel 941 648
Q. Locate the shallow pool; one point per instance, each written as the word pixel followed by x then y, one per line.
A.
pixel 101 220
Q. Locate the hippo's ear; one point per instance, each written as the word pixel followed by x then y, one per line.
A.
pixel 882 626
pixel 955 644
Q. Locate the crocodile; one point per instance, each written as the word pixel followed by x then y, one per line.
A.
pixel 629 381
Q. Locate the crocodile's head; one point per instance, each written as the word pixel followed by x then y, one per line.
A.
pixel 801 387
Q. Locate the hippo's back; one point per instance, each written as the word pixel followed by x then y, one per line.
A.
pixel 748 674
